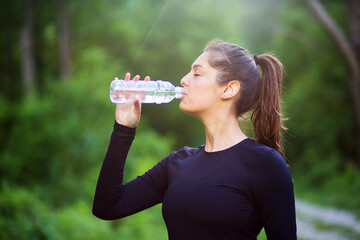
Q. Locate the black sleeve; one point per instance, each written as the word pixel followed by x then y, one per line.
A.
pixel 113 199
pixel 274 197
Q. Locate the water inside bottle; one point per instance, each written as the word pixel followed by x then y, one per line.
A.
pixel 127 96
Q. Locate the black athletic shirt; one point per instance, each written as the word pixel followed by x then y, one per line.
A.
pixel 228 194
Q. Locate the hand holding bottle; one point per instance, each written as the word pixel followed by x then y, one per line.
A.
pixel 128 114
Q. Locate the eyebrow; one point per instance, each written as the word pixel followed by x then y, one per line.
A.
pixel 197 66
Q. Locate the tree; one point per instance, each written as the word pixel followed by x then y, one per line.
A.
pixel 64 42
pixel 26 44
pixel 349 49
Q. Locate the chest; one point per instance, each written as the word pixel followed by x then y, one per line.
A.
pixel 214 194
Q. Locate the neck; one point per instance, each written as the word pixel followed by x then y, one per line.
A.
pixel 222 132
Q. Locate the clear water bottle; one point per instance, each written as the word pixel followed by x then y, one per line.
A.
pixel 146 91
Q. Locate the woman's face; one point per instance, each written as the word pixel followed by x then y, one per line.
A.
pixel 202 91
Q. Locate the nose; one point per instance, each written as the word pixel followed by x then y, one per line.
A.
pixel 184 82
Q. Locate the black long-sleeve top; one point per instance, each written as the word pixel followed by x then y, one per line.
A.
pixel 228 194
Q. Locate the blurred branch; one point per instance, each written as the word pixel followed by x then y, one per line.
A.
pixel 337 35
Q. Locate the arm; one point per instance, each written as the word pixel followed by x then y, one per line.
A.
pixel 113 199
pixel 274 197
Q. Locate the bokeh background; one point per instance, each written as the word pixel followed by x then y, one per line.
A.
pixel 59 57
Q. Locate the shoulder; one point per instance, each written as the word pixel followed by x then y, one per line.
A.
pixel 257 155
pixel 182 153
pixel 266 170
pixel 185 152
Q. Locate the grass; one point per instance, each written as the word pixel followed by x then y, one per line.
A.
pixel 339 190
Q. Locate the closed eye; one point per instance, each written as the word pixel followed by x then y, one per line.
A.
pixel 196 75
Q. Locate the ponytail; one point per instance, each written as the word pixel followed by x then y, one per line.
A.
pixel 266 118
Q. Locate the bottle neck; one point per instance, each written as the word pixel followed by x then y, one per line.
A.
pixel 179 92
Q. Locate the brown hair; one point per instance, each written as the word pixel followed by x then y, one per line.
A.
pixel 259 93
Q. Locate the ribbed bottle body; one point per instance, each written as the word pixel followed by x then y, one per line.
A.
pixel 146 91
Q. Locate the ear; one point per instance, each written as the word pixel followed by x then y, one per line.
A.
pixel 231 89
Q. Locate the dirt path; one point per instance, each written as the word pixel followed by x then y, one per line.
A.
pixel 321 223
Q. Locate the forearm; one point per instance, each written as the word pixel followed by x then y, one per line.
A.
pixel 110 182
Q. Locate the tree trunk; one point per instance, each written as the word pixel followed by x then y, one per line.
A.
pixel 27 53
pixel 354 27
pixel 64 41
pixel 349 51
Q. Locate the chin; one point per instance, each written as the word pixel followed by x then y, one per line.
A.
pixel 187 110
pixel 182 107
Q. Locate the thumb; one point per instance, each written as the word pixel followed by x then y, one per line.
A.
pixel 137 107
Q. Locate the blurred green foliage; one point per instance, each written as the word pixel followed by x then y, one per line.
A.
pixel 52 142
pixel 52 150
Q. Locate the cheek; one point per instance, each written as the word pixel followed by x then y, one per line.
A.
pixel 200 99
pixel 201 94
pixel 207 93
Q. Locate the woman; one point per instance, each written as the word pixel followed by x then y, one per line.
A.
pixel 232 186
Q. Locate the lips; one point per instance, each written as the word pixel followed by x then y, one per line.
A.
pixel 183 95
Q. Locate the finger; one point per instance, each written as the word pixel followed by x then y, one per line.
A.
pixel 116 78
pixel 127 76
pixel 137 106
pixel 136 78
pixel 147 78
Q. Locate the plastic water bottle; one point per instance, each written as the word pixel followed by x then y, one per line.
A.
pixel 146 91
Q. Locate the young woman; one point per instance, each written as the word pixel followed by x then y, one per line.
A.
pixel 231 187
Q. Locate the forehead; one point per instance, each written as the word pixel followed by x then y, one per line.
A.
pixel 202 61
